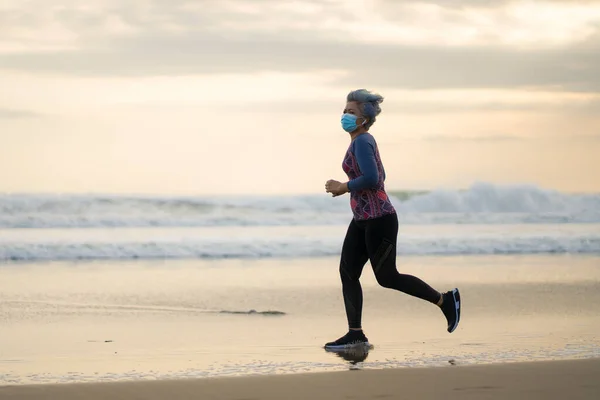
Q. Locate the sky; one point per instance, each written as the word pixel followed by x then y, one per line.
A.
pixel 245 96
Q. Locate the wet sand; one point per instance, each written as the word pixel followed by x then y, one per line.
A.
pixel 64 323
pixel 546 380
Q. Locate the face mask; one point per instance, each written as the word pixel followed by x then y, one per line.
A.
pixel 349 122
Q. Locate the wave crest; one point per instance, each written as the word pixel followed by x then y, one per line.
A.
pixel 482 203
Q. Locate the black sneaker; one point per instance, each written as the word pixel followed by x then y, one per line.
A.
pixel 350 339
pixel 451 308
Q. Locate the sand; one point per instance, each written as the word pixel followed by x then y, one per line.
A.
pixel 547 380
pixel 64 323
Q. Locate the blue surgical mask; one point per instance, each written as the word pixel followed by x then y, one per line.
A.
pixel 349 122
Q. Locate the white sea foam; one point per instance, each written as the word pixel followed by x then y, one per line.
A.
pixel 481 203
pixel 300 242
pixel 485 219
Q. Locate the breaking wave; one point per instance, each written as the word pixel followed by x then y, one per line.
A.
pixel 296 247
pixel 482 203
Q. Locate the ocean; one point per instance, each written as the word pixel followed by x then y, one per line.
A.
pixel 484 219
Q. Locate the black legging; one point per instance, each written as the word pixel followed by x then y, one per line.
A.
pixel 375 240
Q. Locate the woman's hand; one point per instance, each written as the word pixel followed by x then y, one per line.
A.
pixel 336 188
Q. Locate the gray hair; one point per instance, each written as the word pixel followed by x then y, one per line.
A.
pixel 368 104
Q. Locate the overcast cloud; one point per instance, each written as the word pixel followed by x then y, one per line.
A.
pixel 452 47
pixel 17 114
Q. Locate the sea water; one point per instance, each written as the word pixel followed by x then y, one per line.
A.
pixel 484 219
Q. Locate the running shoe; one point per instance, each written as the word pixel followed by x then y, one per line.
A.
pixel 350 339
pixel 451 308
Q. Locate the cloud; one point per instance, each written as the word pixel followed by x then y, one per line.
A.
pixel 6 113
pixel 573 69
pixel 479 3
pixel 479 138
pixel 589 107
pixel 188 38
pixel 399 102
pixel 505 138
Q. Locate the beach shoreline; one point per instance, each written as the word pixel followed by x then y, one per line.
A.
pixel 548 379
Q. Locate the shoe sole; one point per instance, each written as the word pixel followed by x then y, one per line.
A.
pixel 348 346
pixel 456 299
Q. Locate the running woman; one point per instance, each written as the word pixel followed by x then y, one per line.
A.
pixel 373 230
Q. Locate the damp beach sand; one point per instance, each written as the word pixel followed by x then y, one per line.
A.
pixel 94 322
pixel 528 381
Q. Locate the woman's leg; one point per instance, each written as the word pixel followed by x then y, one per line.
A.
pixel 353 258
pixel 381 236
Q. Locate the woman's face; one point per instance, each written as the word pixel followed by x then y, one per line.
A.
pixel 352 108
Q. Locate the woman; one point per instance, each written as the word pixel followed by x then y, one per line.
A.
pixel 373 230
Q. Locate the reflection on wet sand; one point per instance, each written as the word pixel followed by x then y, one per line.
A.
pixel 354 355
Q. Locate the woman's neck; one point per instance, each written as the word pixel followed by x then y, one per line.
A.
pixel 357 133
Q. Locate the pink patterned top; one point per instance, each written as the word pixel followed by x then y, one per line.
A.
pixel 362 164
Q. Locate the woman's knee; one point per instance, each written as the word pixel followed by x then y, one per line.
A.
pixel 346 274
pixel 385 279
